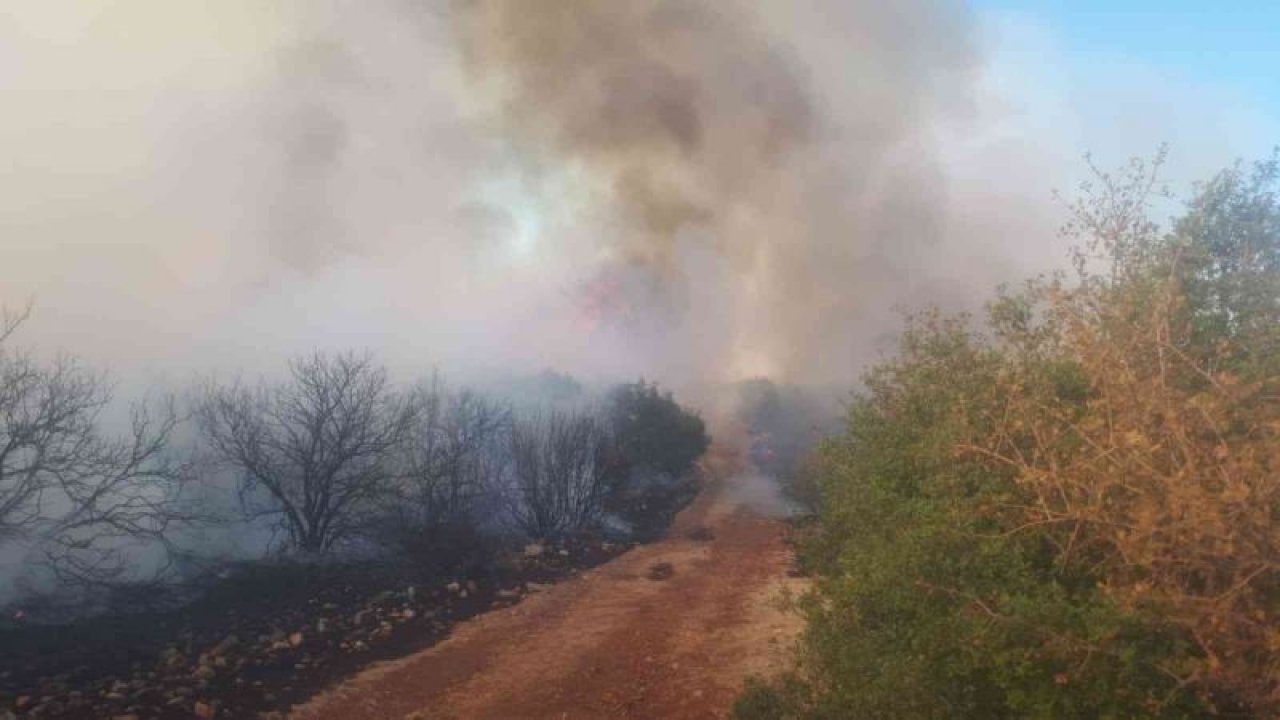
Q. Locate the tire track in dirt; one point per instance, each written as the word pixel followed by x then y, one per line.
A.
pixel 611 643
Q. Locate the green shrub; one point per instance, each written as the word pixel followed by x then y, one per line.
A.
pixel 658 441
pixel 764 701
pixel 653 431
pixel 1070 511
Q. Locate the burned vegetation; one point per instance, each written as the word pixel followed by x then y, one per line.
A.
pixel 378 514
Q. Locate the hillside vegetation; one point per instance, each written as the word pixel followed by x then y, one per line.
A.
pixel 1069 508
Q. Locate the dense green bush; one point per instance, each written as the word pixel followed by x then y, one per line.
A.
pixel 1071 510
pixel 658 441
pixel 653 431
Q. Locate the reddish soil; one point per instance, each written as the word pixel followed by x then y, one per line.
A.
pixel 629 639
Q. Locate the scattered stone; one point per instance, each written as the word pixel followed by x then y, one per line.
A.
pixel 228 643
pixel 702 534
pixel 200 670
pixel 661 571
pixel 173 658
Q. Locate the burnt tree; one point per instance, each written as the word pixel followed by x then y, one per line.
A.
pixel 315 452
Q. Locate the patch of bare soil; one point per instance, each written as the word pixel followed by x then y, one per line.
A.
pixel 669 630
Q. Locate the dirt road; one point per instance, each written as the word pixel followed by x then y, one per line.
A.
pixel 613 642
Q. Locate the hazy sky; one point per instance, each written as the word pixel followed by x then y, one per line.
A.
pixel 1199 75
pixel 189 186
pixel 1230 45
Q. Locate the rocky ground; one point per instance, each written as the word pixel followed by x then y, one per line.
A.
pixel 584 629
pixel 261 642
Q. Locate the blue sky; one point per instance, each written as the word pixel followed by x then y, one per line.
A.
pixel 1233 43
pixel 1119 78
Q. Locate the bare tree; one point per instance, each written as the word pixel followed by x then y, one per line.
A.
pixel 564 466
pixel 11 320
pixel 450 457
pixel 78 496
pixel 447 472
pixel 315 453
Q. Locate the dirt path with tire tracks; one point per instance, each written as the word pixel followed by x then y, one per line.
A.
pixel 613 642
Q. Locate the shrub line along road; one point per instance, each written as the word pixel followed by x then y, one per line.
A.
pixel 612 642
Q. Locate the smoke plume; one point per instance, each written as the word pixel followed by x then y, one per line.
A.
pixel 694 139
pixel 691 191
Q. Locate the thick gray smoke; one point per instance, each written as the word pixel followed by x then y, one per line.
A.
pixel 691 190
pixel 770 167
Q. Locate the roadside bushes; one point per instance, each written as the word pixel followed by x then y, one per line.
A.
pixel 337 454
pixel 653 431
pixel 784 423
pixel 658 442
pixel 632 461
pixel 334 458
pixel 446 481
pixel 1072 509
pixel 564 465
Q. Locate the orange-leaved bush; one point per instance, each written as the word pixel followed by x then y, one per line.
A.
pixel 1072 510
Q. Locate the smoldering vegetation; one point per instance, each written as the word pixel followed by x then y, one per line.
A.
pixel 343 486
pixel 778 427
pixel 334 460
